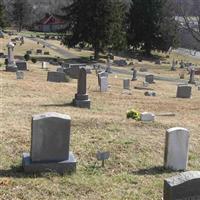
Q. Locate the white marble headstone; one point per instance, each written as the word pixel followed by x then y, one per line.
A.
pixel 176 148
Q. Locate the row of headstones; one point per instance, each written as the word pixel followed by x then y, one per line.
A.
pixel 50 140
pixel 183 91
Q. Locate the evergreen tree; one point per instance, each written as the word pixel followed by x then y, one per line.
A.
pixel 20 13
pixel 151 25
pixel 2 16
pixel 95 22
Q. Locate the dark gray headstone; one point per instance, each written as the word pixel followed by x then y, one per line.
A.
pixel 72 70
pixel 184 91
pixel 21 65
pixel 50 139
pixel 185 186
pixel 2 55
pixel 81 97
pixel 39 51
pixel 56 77
pixel 149 78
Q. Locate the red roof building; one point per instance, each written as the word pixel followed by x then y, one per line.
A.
pixel 50 23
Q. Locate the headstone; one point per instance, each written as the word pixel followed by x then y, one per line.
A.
pixel 39 51
pixel 149 78
pixel 176 148
pixel 147 117
pixel 173 68
pixel 81 99
pixel 56 77
pixel 44 65
pixel 192 75
pixel 102 74
pixel 21 65
pixel 184 91
pixel 126 84
pixel 50 139
pixel 72 70
pixel 19 75
pixel 46 53
pixel 103 84
pixel 134 77
pixel 185 186
pixel 11 65
pixel 29 52
pixel 120 63
pixel 158 62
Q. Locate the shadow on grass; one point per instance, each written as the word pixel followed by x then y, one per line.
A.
pixel 58 105
pixel 15 172
pixel 18 172
pixel 152 171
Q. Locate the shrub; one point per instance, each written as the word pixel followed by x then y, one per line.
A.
pixel 34 60
pixel 27 57
pixel 133 114
pixel 6 61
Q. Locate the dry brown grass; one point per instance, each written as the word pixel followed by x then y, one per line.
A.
pixel 134 169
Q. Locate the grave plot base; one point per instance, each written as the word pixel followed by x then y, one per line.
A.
pixel 65 166
pixel 82 103
pixel 12 68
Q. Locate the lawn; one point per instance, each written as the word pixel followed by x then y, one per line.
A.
pixel 134 170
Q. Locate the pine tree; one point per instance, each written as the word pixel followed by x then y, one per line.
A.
pixel 151 25
pixel 20 13
pixel 94 22
pixel 2 16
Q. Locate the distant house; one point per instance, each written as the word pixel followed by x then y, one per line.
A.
pixel 50 23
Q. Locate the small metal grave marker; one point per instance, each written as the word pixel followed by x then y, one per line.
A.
pixel 20 75
pixel 102 156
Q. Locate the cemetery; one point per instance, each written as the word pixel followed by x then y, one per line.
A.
pixel 73 139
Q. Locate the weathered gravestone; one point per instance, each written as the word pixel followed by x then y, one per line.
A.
pixel 192 75
pixel 103 84
pixel 11 65
pixel 149 78
pixel 29 52
pixel 134 77
pixel 102 74
pixel 72 70
pixel 56 77
pixel 21 65
pixel 44 65
pixel 81 99
pixel 46 53
pixel 19 75
pixel 185 186
pixel 39 51
pixel 50 139
pixel 126 84
pixel 176 149
pixel 147 117
pixel 120 63
pixel 184 91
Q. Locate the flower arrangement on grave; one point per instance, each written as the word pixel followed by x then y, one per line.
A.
pixel 133 114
